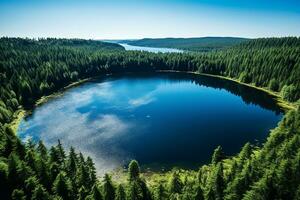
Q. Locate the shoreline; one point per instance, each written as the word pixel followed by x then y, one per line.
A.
pixel 21 112
pixel 285 105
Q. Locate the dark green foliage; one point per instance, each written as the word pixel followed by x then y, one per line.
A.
pixel 199 194
pixel 40 193
pixel 82 193
pixel 4 187
pixel 217 156
pixel 274 85
pixel 192 44
pixel 216 184
pixel 95 195
pixel 18 195
pixel 134 192
pixel 120 193
pixel 62 186
pixel 30 185
pixel 42 150
pixel 71 163
pixel 108 189
pixel 290 92
pixel 31 68
pixel 160 192
pixel 91 170
pixel 134 170
pixel 175 185
pixel 146 194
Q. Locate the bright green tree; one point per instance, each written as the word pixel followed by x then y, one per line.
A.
pixel 134 170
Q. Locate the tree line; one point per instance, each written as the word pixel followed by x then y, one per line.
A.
pixel 201 44
pixel 32 68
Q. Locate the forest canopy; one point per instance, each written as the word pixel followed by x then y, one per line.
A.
pixel 30 69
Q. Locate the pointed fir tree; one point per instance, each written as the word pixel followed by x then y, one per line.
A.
pixel 30 159
pixel 134 192
pixel 92 171
pixel 44 173
pixel 146 194
pixel 134 170
pixel 217 155
pixel 160 192
pixel 218 182
pixel 175 184
pixel 95 195
pixel 19 148
pixel 108 188
pixel 30 185
pixel 61 186
pixel 82 193
pixel 120 193
pixel 83 178
pixel 40 193
pixel 42 150
pixel 61 154
pixel 13 162
pixel 72 163
pixel 199 194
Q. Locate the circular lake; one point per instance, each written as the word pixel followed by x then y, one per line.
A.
pixel 162 120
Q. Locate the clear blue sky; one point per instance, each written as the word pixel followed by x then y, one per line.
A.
pixel 116 19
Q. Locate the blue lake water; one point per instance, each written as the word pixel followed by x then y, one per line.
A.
pixel 161 119
pixel 150 49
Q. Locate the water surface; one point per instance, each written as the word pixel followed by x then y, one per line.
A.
pixel 162 119
pixel 150 49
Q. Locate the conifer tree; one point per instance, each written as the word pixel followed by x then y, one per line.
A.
pixel 40 193
pixel 72 163
pixel 92 171
pixel 134 192
pixel 30 186
pixel 199 194
pixel 134 170
pixel 217 155
pixel 120 193
pixel 42 150
pixel 83 177
pixel 62 187
pixel 82 193
pixel 175 184
pixel 96 194
pixel 160 193
pixel 108 188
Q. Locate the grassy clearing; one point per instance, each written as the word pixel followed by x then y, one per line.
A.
pixel 18 116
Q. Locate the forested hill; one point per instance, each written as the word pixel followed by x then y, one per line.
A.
pixel 30 69
pixel 202 44
pixel 53 42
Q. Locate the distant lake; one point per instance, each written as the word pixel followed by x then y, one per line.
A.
pixel 162 120
pixel 150 49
